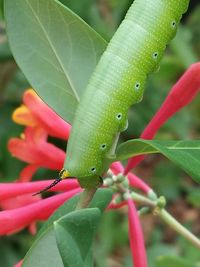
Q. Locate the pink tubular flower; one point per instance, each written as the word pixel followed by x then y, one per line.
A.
pixel 13 220
pixel 114 205
pixel 27 173
pixel 181 94
pixel 11 190
pixel 19 264
pixel 34 149
pixel 36 113
pixel 20 201
pixel 17 197
pixel 136 237
pixel 136 182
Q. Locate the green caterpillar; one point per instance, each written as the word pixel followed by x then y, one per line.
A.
pixel 117 83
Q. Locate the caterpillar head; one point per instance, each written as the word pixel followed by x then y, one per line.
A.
pixel 86 164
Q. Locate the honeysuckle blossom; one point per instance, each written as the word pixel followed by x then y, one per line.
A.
pixel 19 264
pixel 35 113
pixel 11 190
pixel 20 201
pixel 16 198
pixel 33 148
pixel 13 220
pixel 136 236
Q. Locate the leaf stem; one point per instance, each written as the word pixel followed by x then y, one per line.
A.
pixel 86 198
pixel 167 218
pixel 171 221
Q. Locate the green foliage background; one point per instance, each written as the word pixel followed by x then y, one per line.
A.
pixel 112 245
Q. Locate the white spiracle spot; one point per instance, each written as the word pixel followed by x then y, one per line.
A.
pixel 173 24
pixel 119 116
pixel 93 169
pixel 155 55
pixel 103 146
pixel 137 85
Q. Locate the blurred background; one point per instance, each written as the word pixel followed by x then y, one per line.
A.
pixel 182 194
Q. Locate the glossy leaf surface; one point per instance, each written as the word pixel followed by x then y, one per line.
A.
pixel 56 50
pixel 186 154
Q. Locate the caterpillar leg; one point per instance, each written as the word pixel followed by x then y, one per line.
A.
pixel 125 126
pixel 111 152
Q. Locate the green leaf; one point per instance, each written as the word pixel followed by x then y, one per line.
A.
pixel 67 242
pixel 172 261
pixel 158 249
pixel 44 251
pixel 185 154
pixel 56 50
pixel 1 9
pixel 74 235
pixel 101 199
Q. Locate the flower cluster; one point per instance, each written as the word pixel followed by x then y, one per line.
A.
pixel 20 209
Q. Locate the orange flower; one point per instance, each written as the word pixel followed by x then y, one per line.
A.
pixel 35 113
pixel 34 149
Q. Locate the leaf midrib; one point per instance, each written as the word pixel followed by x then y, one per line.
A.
pixel 53 49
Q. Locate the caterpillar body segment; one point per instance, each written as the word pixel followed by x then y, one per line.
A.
pixel 118 82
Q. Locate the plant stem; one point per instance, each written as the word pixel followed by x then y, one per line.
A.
pixel 158 207
pixel 169 219
pixel 165 216
pixel 86 198
pixel 142 199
